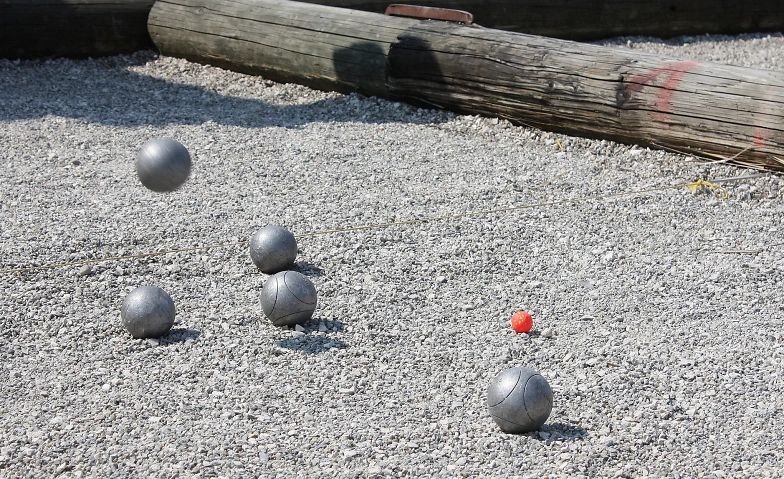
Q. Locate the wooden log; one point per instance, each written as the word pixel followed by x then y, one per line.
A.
pixel 595 19
pixel 322 47
pixel 73 28
pixel 705 109
pixel 698 108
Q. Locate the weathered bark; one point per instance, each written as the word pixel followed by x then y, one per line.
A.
pixel 595 19
pixel 322 47
pixel 699 108
pixel 705 109
pixel 73 28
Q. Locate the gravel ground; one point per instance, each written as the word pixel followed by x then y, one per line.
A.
pixel 658 315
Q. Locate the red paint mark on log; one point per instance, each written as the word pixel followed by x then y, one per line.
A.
pixel 674 72
pixel 760 136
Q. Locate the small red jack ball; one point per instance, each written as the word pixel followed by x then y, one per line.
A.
pixel 522 322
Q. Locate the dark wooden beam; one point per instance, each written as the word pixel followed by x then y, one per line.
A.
pixel 72 28
pixel 596 19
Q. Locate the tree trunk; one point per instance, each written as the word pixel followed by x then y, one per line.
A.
pixel 705 109
pixel 698 108
pixel 595 19
pixel 73 28
pixel 321 47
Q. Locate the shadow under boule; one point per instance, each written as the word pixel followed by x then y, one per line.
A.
pixel 179 335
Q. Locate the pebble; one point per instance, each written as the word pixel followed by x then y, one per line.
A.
pixel 374 469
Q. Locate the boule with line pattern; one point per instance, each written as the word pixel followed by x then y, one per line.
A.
pixel 288 298
pixel 519 400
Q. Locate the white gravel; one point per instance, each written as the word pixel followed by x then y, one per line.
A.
pixel 658 316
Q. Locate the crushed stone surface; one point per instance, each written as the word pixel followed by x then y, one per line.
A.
pixel 658 315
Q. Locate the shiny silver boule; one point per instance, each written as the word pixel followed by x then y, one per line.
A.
pixel 519 400
pixel 163 164
pixel 273 248
pixel 148 312
pixel 288 298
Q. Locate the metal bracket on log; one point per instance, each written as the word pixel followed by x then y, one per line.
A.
pixel 429 13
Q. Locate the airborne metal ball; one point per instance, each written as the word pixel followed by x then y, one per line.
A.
pixel 163 164
pixel 273 248
pixel 288 298
pixel 519 400
pixel 147 312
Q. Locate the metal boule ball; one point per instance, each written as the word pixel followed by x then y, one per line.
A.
pixel 519 400
pixel 163 164
pixel 273 248
pixel 288 298
pixel 148 312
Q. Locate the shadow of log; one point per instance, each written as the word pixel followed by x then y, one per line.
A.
pixel 107 91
